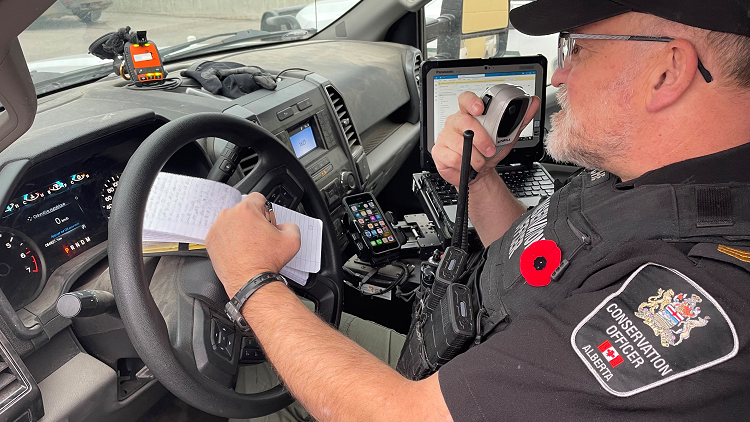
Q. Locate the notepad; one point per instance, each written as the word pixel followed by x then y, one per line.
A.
pixel 182 208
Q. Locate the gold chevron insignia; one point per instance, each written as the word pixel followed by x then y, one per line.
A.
pixel 743 256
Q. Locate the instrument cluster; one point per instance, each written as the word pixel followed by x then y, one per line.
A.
pixel 52 219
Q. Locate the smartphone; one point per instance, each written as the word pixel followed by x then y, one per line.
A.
pixel 375 231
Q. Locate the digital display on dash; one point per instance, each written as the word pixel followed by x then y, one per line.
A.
pixel 142 57
pixel 57 221
pixel 303 141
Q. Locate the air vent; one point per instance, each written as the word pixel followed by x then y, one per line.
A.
pixel 20 397
pixel 249 161
pixel 10 386
pixel 418 72
pixel 344 118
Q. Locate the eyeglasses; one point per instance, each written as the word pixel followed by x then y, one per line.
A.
pixel 566 45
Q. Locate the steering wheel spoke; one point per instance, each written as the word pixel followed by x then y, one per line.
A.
pixel 277 184
pixel 195 358
pixel 215 345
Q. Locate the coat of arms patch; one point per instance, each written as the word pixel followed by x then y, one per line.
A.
pixel 671 316
pixel 658 327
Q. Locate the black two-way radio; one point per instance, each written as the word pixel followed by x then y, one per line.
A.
pixel 443 325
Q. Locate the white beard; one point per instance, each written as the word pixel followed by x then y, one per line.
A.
pixel 593 140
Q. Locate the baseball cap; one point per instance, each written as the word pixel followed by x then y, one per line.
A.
pixel 544 17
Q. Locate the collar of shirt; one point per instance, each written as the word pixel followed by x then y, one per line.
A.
pixel 722 167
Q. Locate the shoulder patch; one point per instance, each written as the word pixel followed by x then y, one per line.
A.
pixel 739 256
pixel 658 327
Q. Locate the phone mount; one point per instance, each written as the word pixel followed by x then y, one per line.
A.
pixel 364 253
pixel 505 106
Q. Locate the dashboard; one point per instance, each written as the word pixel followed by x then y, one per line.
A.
pixel 350 126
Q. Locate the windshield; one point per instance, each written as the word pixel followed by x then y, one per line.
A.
pixel 56 44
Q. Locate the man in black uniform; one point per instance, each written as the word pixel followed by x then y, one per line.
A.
pixel 621 296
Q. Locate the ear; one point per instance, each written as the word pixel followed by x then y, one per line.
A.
pixel 673 72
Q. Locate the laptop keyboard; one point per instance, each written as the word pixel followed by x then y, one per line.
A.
pixel 528 182
pixel 522 183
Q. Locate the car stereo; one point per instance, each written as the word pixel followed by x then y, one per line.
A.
pixel 303 138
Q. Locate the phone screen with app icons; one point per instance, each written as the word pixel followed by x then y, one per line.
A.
pixel 373 226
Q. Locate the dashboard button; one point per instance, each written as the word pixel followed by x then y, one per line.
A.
pixel 319 175
pixel 306 103
pixel 285 113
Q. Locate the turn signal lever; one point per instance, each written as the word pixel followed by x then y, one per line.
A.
pixel 226 163
pixel 86 303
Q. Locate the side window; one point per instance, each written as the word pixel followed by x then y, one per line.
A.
pixel 468 29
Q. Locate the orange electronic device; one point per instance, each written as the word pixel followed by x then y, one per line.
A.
pixel 143 62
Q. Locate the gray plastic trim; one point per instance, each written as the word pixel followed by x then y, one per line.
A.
pixel 85 389
pixel 17 92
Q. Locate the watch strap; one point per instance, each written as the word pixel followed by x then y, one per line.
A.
pixel 234 306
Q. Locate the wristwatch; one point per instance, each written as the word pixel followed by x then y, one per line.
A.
pixel 233 307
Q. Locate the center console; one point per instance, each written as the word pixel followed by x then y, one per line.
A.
pixel 308 115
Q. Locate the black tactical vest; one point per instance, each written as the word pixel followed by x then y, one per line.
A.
pixel 590 218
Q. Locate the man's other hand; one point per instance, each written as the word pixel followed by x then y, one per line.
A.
pixel 243 243
pixel 448 147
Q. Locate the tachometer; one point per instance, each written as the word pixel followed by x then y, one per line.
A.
pixel 21 268
pixel 108 194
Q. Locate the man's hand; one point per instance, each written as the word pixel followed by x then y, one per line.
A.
pixel 449 144
pixel 243 243
pixel 492 208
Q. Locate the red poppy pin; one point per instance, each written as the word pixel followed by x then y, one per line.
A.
pixel 539 261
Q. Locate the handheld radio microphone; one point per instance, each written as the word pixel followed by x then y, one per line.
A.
pixel 505 106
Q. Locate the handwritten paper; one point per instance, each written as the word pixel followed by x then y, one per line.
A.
pixel 311 231
pixel 182 209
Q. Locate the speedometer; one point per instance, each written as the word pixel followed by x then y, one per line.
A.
pixel 108 194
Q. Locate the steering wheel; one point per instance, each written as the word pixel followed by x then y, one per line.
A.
pixel 177 343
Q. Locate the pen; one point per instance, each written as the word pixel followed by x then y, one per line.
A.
pixel 269 213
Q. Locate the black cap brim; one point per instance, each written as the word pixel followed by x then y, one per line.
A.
pixel 544 17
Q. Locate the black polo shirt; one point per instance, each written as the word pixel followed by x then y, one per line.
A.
pixel 615 349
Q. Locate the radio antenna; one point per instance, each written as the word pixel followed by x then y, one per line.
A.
pixel 461 228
